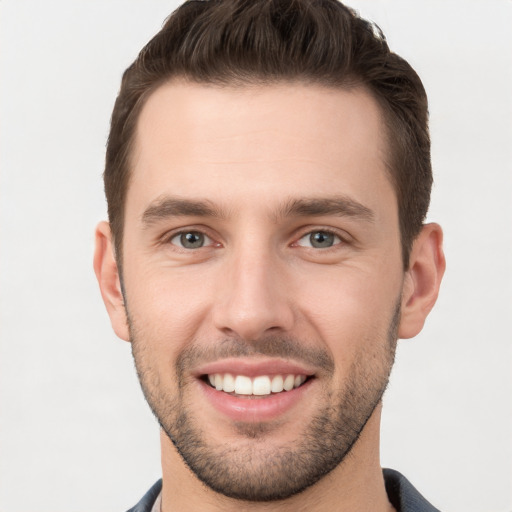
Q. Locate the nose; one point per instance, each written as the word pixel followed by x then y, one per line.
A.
pixel 253 298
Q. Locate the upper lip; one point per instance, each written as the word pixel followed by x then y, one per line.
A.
pixel 251 367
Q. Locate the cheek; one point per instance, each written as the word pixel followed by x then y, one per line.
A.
pixel 352 310
pixel 167 307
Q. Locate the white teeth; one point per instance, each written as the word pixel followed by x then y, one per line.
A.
pixel 243 385
pixel 260 386
pixel 289 382
pixel 229 383
pixel 277 384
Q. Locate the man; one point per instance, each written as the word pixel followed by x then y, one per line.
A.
pixel 267 177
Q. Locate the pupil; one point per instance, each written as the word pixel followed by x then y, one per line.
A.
pixel 192 240
pixel 321 239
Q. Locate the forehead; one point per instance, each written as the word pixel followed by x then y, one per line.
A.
pixel 221 142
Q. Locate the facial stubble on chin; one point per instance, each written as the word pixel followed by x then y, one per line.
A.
pixel 256 470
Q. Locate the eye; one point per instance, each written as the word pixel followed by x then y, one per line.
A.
pixel 319 240
pixel 191 240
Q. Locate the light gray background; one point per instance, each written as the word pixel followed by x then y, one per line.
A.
pixel 75 432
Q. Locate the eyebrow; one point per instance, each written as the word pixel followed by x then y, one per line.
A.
pixel 315 207
pixel 342 206
pixel 176 207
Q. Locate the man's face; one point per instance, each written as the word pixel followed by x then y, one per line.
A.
pixel 263 277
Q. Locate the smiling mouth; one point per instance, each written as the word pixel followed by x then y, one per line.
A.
pixel 259 386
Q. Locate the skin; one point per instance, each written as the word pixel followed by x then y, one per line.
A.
pixel 250 152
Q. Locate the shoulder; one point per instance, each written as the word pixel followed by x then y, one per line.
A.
pixel 148 500
pixel 403 495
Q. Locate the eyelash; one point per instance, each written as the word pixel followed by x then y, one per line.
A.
pixel 341 239
pixel 169 237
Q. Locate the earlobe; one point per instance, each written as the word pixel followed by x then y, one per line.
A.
pixel 107 274
pixel 421 285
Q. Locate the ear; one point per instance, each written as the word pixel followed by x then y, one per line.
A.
pixel 107 274
pixel 422 280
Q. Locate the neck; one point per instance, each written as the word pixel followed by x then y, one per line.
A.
pixel 356 485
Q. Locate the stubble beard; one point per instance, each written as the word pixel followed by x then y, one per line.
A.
pixel 255 470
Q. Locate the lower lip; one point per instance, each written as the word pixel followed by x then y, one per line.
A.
pixel 255 410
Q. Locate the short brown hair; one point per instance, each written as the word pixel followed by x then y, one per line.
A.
pixel 237 42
